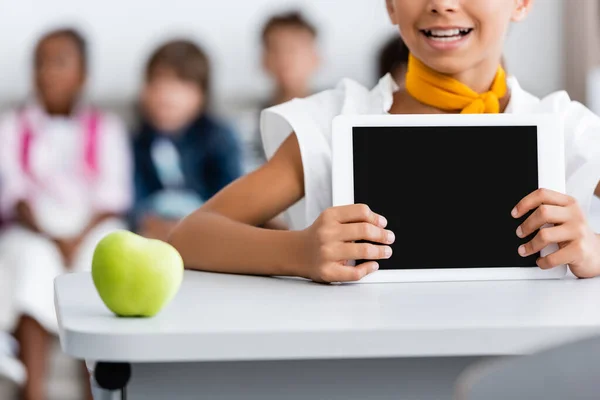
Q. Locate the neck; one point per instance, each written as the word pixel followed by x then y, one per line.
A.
pixel 404 103
pixel 58 108
pixel 480 77
pixel 59 111
pixel 480 89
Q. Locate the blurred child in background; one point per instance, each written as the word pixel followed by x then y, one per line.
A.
pixel 183 156
pixel 290 56
pixel 291 59
pixel 393 60
pixel 65 172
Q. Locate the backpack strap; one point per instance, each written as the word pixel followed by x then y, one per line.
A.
pixel 91 129
pixel 26 137
pixel 91 126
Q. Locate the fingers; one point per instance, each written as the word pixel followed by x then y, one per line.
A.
pixel 539 197
pixel 356 213
pixel 336 234
pixel 366 231
pixel 544 214
pixel 362 251
pixel 566 255
pixel 345 273
pixel 352 223
pixel 544 238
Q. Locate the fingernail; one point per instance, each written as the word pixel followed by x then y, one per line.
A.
pixel 538 261
pixel 375 267
pixel 391 237
pixel 514 212
pixel 520 232
pixel 522 251
pixel 382 221
pixel 387 252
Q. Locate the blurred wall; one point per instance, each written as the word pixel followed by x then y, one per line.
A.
pixel 122 32
pixel 535 48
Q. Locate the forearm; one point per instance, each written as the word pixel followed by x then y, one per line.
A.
pixel 209 241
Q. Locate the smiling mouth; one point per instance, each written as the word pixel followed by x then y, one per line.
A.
pixel 446 35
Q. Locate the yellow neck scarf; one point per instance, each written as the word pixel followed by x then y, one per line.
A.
pixel 445 93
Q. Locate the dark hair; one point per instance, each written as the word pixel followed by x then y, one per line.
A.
pixel 72 34
pixel 186 59
pixel 292 19
pixel 392 55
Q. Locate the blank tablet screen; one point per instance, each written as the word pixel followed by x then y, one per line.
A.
pixel 447 192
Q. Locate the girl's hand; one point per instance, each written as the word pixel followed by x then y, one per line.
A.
pixel 579 246
pixel 330 243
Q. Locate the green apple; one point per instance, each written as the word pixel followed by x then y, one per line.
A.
pixel 135 276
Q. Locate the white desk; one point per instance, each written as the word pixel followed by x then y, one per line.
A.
pixel 234 337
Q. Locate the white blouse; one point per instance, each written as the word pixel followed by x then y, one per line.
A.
pixel 311 119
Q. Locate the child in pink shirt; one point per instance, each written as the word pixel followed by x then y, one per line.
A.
pixel 66 180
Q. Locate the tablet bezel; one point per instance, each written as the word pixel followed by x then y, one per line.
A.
pixel 551 175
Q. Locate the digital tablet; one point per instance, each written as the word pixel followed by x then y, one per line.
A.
pixel 447 185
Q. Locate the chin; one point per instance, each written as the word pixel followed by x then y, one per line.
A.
pixel 162 122
pixel 57 101
pixel 164 126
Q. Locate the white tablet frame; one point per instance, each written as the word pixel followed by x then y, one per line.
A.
pixel 551 175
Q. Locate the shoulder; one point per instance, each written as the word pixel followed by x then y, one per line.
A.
pixel 142 138
pixel 214 124
pixel 214 128
pixel 322 106
pixel 575 115
pixel 113 136
pixel 110 122
pixel 214 133
pixel 578 120
pixel 112 131
pixel 311 117
pixel 581 132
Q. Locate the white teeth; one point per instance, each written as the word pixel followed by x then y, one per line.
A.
pixel 444 32
pixel 446 39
